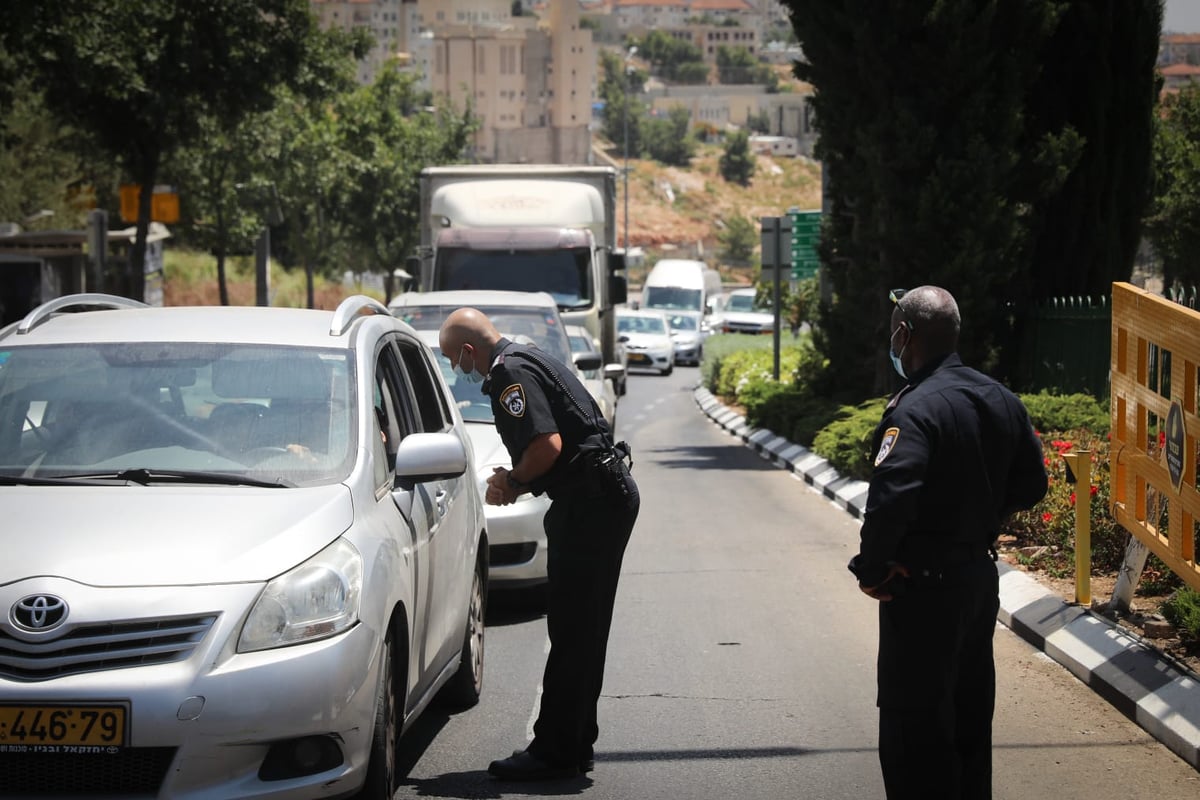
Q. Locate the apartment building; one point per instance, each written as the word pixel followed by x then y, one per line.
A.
pixel 530 81
pixel 789 114
pixel 392 24
pixel 1179 48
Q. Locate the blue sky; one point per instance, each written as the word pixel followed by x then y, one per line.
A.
pixel 1182 16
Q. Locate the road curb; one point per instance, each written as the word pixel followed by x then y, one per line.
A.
pixel 1141 683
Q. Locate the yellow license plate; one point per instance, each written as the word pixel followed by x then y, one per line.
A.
pixel 82 725
pixel 638 358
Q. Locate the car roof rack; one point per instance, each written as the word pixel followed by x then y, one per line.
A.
pixel 353 307
pixel 88 300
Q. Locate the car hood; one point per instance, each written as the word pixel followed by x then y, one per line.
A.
pixel 166 536
pixel 489 448
pixel 644 340
pixel 750 317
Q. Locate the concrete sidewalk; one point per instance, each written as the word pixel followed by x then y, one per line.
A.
pixel 1147 687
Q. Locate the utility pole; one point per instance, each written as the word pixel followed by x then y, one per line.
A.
pixel 625 115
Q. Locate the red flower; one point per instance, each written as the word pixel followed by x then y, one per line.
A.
pixel 1094 490
pixel 1072 498
pixel 1046 517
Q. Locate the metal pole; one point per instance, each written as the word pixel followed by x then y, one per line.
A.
pixel 625 116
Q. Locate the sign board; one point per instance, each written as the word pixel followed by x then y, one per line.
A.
pixel 164 204
pixel 806 234
pixel 1173 445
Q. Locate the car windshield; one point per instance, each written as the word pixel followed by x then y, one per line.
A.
pixel 641 325
pixel 266 413
pixel 742 302
pixel 564 274
pixel 470 398
pixel 671 297
pixel 540 324
pixel 683 322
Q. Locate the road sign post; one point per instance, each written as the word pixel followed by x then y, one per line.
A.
pixel 776 249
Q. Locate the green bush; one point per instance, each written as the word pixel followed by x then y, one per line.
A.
pixel 1182 610
pixel 846 442
pixel 1067 412
pixel 721 346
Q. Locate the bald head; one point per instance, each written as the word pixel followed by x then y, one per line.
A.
pixel 469 329
pixel 930 319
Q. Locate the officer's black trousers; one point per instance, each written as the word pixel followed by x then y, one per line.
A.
pixel 937 686
pixel 587 538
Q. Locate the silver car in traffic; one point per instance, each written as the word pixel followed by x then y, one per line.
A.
pixel 243 549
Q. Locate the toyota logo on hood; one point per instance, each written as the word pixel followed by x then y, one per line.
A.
pixel 39 612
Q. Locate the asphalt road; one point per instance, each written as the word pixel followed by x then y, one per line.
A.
pixel 742 659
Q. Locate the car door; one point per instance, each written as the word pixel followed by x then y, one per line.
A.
pixel 452 535
pixel 409 510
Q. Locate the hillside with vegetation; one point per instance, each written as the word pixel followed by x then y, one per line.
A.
pixel 682 211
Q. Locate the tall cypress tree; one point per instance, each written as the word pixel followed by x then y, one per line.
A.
pixel 1096 98
pixel 920 109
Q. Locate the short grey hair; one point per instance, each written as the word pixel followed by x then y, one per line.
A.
pixel 932 311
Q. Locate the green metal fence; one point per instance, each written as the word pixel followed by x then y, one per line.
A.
pixel 1066 346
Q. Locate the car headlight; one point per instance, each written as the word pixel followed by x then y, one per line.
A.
pixel 315 600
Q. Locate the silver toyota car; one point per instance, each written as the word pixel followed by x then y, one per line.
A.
pixel 243 549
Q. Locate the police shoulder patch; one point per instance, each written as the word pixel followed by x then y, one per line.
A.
pixel 513 400
pixel 889 442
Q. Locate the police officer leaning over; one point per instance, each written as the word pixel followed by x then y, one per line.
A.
pixel 560 444
pixel 955 454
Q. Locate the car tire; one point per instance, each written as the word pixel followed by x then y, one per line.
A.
pixel 667 370
pixel 463 690
pixel 382 781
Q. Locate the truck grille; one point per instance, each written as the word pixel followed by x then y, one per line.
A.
pixel 113 645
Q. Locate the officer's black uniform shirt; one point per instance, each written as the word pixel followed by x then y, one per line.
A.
pixel 529 400
pixel 955 454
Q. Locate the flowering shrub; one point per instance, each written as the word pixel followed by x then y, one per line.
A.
pixel 1051 523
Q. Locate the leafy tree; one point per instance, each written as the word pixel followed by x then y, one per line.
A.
pixel 735 65
pixel 621 102
pixel 139 77
pixel 1173 224
pixel 391 137
pixel 738 239
pixel 759 121
pixel 670 140
pixel 38 163
pixel 737 162
pixel 673 59
pixel 920 108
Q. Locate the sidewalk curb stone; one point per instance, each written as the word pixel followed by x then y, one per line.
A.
pixel 1146 687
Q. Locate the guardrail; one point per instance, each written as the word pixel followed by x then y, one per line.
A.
pixel 1155 371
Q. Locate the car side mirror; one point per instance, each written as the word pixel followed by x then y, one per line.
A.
pixel 588 360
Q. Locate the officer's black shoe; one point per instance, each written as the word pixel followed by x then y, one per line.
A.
pixel 524 766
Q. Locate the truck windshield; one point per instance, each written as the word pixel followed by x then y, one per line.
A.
pixel 672 297
pixel 565 275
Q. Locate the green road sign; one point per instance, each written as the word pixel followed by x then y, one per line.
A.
pixel 806 234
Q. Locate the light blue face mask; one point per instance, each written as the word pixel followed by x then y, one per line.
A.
pixel 461 374
pixel 896 363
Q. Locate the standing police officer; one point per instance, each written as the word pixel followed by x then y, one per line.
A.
pixel 955 454
pixel 560 444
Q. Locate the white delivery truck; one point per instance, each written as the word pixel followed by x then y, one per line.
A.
pixel 528 227
pixel 680 284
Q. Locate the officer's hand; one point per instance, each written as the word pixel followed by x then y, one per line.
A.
pixel 499 493
pixel 882 591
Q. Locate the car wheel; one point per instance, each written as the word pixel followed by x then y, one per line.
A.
pixel 463 690
pixel 668 369
pixel 381 783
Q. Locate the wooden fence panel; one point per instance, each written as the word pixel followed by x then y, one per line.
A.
pixel 1155 363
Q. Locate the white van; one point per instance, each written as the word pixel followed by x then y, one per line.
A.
pixel 677 284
